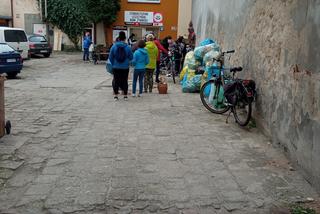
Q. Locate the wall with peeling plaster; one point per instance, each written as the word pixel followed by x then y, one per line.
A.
pixel 277 42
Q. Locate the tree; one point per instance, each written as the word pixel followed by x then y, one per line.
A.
pixel 103 10
pixel 70 16
pixel 73 16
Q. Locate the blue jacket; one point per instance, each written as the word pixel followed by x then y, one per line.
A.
pixel 86 42
pixel 140 58
pixel 113 60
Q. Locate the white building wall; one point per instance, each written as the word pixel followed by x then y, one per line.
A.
pixel 21 7
pixel 5 8
pixel 184 17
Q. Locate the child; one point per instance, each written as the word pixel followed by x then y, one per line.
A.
pixel 140 60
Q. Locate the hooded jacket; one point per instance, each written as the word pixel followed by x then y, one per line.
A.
pixel 86 42
pixel 140 58
pixel 113 52
pixel 160 48
pixel 152 53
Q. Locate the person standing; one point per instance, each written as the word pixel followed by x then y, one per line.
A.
pixel 140 60
pixel 132 40
pixel 120 56
pixel 86 44
pixel 161 49
pixel 165 42
pixel 179 50
pixel 153 55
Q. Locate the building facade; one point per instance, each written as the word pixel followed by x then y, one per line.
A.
pixel 143 16
pixel 184 17
pixel 6 13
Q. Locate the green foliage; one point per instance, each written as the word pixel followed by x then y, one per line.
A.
pixel 73 16
pixel 103 10
pixel 68 15
pixel 301 210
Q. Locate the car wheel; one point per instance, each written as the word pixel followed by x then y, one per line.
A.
pixel 12 75
pixel 46 55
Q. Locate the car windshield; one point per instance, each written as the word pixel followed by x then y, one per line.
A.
pixel 37 39
pixel 15 36
pixel 5 48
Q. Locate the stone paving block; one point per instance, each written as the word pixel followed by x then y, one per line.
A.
pixel 22 178
pixel 7 164
pixel 124 182
pixel 46 179
pixel 39 189
pixel 233 196
pixel 127 194
pixel 55 162
pixel 6 173
pixel 53 170
pixel 88 198
pixel 155 154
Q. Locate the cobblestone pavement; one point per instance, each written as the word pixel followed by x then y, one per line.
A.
pixel 74 150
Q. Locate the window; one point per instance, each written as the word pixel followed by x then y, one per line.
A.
pixel 5 48
pixel 15 36
pixel 37 39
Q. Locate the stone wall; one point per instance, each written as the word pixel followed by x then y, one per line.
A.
pixel 277 42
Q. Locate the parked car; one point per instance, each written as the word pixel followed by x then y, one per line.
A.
pixel 39 45
pixel 16 38
pixel 10 60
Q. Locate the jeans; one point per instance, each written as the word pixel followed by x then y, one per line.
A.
pixel 158 72
pixel 85 54
pixel 138 73
pixel 120 80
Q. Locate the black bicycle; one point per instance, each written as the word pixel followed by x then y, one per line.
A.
pixel 222 93
pixel 167 64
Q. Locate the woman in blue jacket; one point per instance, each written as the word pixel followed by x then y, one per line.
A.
pixel 140 60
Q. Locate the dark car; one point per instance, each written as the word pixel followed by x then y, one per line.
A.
pixel 39 45
pixel 10 61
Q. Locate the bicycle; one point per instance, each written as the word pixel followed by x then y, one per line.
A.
pixel 167 63
pixel 240 96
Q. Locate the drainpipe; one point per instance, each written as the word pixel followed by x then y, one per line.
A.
pixel 12 12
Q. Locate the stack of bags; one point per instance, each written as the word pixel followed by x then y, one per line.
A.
pixel 203 56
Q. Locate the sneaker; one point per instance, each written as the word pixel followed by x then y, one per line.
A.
pixel 116 98
pixel 133 95
pixel 168 75
pixel 139 95
pixel 125 98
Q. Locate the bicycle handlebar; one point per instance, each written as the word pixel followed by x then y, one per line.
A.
pixel 228 52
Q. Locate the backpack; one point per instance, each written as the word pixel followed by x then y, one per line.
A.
pixel 121 54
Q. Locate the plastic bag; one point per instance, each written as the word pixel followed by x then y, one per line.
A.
pixel 183 72
pixel 200 51
pixel 192 85
pixel 206 42
pixel 190 61
pixel 196 80
pixel 109 67
pixel 210 57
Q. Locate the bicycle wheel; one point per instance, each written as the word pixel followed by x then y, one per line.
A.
pixel 242 112
pixel 212 97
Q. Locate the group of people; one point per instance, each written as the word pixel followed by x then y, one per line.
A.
pixel 144 55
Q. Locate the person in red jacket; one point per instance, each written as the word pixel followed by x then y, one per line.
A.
pixel 160 49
